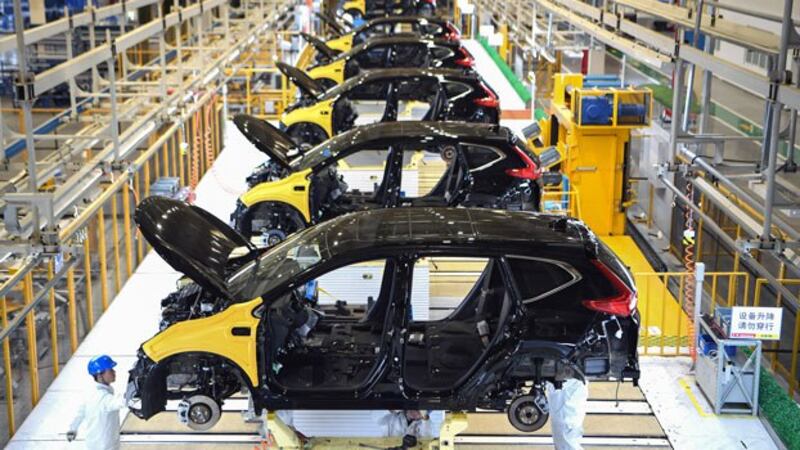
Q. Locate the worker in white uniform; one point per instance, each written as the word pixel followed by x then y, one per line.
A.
pixel 100 409
pixel 567 411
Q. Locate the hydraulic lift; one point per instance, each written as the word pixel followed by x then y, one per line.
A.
pixel 281 436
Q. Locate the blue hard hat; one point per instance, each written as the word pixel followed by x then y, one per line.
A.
pixel 100 364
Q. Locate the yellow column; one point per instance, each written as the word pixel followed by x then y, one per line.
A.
pixel 115 237
pixel 126 222
pixel 87 270
pixel 72 310
pixel 33 353
pixel 53 321
pixel 7 368
pixel 101 250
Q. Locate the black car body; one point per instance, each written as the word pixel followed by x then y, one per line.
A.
pixel 404 50
pixel 445 95
pixel 550 304
pixel 481 165
pixel 427 27
pixel 367 9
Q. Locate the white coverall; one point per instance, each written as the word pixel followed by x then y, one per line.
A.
pixel 100 413
pixel 567 411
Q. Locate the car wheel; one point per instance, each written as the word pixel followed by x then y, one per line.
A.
pixel 199 412
pixel 527 413
pixel 307 133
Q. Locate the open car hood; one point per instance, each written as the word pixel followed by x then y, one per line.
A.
pixel 190 239
pixel 305 83
pixel 332 22
pixel 269 140
pixel 327 54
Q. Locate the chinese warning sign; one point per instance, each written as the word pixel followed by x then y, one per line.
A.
pixel 756 323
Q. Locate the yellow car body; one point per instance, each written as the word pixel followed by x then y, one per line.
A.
pixel 333 71
pixel 320 114
pixel 359 6
pixel 342 43
pixel 214 335
pixel 292 191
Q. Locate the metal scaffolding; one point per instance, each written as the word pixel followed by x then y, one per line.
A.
pixel 153 109
pixel 752 227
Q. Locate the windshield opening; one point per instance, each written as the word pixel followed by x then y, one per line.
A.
pixel 283 262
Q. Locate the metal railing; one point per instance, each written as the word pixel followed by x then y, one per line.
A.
pixel 168 116
pixel 106 247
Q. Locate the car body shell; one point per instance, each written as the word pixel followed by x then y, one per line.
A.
pixel 378 8
pixel 441 29
pixel 319 109
pixel 243 338
pixel 295 189
pixel 437 53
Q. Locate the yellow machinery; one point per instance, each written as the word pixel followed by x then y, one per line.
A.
pixel 586 135
pixel 283 437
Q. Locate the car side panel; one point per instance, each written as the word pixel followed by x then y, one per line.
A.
pixel 359 5
pixel 292 190
pixel 333 71
pixel 213 334
pixel 319 114
pixel 342 43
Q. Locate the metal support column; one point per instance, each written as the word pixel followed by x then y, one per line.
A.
pixel 112 81
pixel 73 88
pixel 777 78
pixel 25 95
pixel 675 125
pixel 705 92
pixel 687 106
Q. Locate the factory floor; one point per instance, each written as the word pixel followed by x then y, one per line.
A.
pixel 666 411
pixel 663 413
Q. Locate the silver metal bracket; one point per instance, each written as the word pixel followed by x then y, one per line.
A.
pixel 15 201
pixel 775 246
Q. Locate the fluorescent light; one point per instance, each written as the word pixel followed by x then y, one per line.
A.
pixel 210 77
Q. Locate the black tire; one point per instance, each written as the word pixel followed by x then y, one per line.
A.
pixel 307 133
pixel 276 220
pixel 525 415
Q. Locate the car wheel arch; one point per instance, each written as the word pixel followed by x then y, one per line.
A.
pixel 231 366
pixel 318 130
pixel 260 207
pixel 152 385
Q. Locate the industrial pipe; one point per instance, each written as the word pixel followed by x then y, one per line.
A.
pixel 752 202
pixel 793 303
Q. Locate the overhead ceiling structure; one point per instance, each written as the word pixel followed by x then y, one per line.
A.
pixel 613 24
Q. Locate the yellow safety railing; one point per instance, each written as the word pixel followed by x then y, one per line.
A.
pixel 106 236
pixel 562 202
pixel 665 309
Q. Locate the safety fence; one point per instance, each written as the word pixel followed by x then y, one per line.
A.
pixel 78 285
pixel 562 202
pixel 666 304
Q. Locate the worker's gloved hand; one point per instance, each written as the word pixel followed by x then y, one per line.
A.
pixel 71 435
